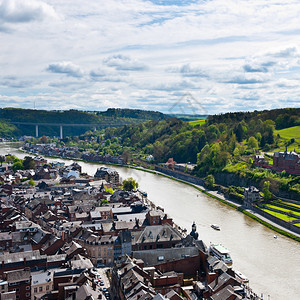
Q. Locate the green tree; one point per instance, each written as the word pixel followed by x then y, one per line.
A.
pixel 10 158
pixel 103 202
pixel 130 184
pixel 126 156
pixel 239 132
pixel 17 166
pixel 109 190
pixel 266 190
pixel 210 181
pixel 252 143
pixel 44 139
pixel 31 182
pixel 28 163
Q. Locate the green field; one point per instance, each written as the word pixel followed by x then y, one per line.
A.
pixel 197 122
pixel 279 215
pixel 283 209
pixel 289 133
pixel 292 204
pixel 285 137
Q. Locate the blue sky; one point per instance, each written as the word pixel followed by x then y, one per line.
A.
pixel 171 56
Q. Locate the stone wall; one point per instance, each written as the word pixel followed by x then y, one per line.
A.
pixel 180 175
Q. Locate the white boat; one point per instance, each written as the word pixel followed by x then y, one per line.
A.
pixel 215 226
pixel 241 276
pixel 221 253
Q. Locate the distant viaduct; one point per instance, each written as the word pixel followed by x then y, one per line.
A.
pixel 61 125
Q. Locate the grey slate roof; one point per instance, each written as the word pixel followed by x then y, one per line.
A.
pixel 159 233
pixel 161 256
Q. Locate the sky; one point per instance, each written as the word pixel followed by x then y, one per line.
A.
pixel 193 57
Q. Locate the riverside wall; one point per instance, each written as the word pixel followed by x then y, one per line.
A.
pixel 180 175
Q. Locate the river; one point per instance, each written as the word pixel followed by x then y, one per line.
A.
pixel 272 265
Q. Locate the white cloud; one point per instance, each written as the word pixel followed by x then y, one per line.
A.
pixel 65 67
pixel 124 63
pixel 14 11
pixel 147 54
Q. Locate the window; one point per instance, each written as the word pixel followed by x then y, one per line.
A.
pixel 40 289
pixel 47 288
pixel 35 290
pixel 27 287
pixel 27 294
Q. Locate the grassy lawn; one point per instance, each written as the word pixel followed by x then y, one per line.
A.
pixel 279 215
pixel 289 133
pixel 286 135
pixel 197 122
pixel 292 204
pixel 284 209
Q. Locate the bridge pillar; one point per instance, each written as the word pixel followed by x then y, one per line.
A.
pixel 36 131
pixel 61 131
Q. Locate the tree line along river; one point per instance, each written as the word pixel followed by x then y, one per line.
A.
pixel 272 265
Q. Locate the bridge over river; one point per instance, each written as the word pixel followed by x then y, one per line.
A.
pixel 61 125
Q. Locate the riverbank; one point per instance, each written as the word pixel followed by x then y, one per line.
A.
pixel 213 194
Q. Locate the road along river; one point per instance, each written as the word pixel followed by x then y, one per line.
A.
pixel 272 265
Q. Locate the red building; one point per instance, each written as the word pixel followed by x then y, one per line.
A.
pixel 287 161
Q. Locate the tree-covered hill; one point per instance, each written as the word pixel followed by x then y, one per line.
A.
pixel 224 146
pixel 223 136
pixel 283 117
pixel 111 117
pixel 8 130
pixel 133 114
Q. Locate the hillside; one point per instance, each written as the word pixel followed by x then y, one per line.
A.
pixel 223 146
pixel 111 117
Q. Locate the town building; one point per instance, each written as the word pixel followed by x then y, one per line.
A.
pixel 108 174
pixel 251 195
pixel 287 161
pixel 155 237
pixel 41 283
pixel 19 281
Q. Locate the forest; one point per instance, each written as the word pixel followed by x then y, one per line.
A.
pixel 111 117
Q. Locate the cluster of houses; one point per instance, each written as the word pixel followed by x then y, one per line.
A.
pixel 57 236
pixel 288 161
pixel 71 152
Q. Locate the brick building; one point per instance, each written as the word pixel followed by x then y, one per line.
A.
pixel 287 161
